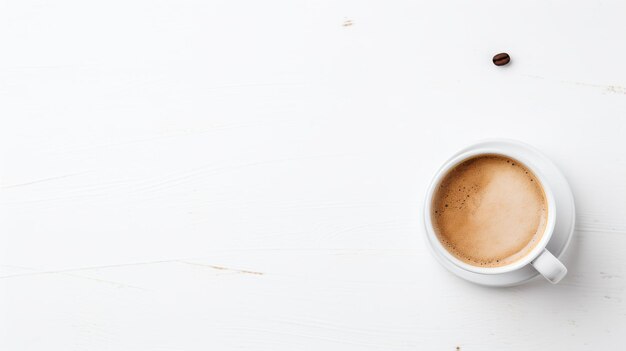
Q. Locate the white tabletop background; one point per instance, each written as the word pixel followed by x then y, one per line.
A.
pixel 225 175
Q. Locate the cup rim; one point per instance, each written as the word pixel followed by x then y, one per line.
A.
pixel 502 151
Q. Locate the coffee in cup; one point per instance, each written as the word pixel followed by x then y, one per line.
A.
pixel 489 211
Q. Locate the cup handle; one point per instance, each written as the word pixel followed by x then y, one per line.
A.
pixel 550 267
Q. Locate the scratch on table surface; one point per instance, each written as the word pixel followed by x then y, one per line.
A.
pixel 33 271
pixel 222 268
pixel 601 229
pixel 533 76
pixel 610 230
pixel 40 180
pixel 615 299
pixel 616 89
pixel 599 222
pixel 610 276
pixel 79 269
pixel 610 88
pixel 347 23
pixel 106 281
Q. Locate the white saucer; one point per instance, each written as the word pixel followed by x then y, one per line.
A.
pixel 563 231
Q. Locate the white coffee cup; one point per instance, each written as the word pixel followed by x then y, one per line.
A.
pixel 539 257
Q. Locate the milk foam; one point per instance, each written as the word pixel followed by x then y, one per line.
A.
pixel 489 211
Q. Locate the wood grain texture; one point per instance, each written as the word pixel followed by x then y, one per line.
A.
pixel 226 175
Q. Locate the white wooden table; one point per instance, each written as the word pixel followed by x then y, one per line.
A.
pixel 224 175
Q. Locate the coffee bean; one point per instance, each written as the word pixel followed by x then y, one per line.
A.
pixel 501 59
